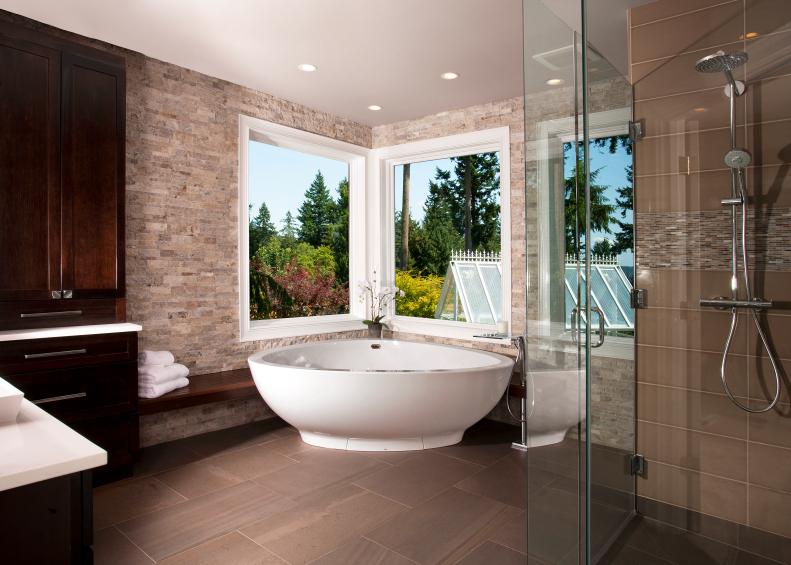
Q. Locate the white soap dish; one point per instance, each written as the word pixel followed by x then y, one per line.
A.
pixel 10 402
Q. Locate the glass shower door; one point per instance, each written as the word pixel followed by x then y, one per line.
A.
pixel 580 329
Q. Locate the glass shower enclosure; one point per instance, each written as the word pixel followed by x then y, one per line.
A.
pixel 657 192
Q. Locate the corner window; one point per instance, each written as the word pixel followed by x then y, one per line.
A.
pixel 298 196
pixel 448 209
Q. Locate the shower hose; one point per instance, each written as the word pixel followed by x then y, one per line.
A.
pixel 739 173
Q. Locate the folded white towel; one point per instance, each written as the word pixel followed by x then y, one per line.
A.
pixel 148 357
pixel 159 374
pixel 156 390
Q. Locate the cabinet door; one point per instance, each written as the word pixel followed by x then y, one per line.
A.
pixel 93 107
pixel 29 170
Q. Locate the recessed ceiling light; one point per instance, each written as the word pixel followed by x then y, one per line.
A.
pixel 306 67
pixel 449 76
pixel 699 109
pixel 374 108
pixel 555 81
pixel 751 35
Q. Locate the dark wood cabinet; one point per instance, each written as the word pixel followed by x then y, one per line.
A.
pixel 62 155
pixel 87 382
pixel 49 521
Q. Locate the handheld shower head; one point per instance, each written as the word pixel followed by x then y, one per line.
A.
pixel 722 62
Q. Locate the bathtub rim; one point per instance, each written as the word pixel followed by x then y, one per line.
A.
pixel 502 361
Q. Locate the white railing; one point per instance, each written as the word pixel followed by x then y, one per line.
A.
pixel 595 259
pixel 477 256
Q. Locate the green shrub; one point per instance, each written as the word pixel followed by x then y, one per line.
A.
pixel 421 294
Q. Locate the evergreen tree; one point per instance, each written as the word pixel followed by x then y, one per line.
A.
pixel 601 209
pixel 339 232
pixel 431 245
pixel 414 228
pixel 261 228
pixel 289 231
pixel 603 248
pixel 624 239
pixel 316 213
pixel 472 194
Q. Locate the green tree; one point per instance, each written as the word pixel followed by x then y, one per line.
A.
pixel 431 245
pixel 624 239
pixel 603 248
pixel 316 214
pixel 338 237
pixel 261 228
pixel 601 209
pixel 289 231
pixel 414 228
pixel 472 194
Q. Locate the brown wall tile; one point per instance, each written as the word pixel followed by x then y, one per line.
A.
pixel 770 143
pixel 689 32
pixel 681 288
pixel 772 427
pixel 677 74
pixel 707 109
pixel 696 370
pixel 767 16
pixel 712 454
pixel 653 11
pixel 700 411
pixel 769 510
pixel 706 150
pixel 678 193
pixel 778 329
pixel 770 467
pixel 768 56
pixel 767 99
pixel 770 186
pixel 688 329
pixel 708 494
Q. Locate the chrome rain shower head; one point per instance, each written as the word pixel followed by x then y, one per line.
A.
pixel 722 62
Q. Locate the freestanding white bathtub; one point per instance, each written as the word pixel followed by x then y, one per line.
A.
pixel 380 395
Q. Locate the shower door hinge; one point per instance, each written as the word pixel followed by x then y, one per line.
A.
pixel 637 465
pixel 636 132
pixel 637 298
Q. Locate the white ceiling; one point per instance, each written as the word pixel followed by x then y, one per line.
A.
pixel 385 52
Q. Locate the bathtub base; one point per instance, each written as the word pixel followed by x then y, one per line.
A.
pixel 384 444
pixel 546 438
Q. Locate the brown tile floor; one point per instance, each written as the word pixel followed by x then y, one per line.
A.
pixel 258 495
pixel 254 494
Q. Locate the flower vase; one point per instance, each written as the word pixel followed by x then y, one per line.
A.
pixel 375 330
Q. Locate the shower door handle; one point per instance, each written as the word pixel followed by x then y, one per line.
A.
pixel 601 326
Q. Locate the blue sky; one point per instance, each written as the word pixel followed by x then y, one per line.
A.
pixel 419 175
pixel 281 176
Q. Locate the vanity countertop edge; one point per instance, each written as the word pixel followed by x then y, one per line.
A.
pixel 68 331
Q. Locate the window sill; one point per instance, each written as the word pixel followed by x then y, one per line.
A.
pixel 261 330
pixel 439 328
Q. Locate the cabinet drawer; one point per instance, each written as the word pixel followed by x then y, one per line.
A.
pixel 22 314
pixel 81 392
pixel 117 435
pixel 63 352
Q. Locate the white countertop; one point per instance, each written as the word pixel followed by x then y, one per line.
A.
pixel 66 331
pixel 39 447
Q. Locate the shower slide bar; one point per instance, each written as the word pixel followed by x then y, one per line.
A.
pixel 722 303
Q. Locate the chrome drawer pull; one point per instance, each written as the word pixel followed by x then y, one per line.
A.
pixel 59 398
pixel 55 353
pixel 51 314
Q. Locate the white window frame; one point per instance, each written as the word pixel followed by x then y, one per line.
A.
pixel 387 158
pixel 358 160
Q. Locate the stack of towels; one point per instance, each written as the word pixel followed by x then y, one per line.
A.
pixel 158 373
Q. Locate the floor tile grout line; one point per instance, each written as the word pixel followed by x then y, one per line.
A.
pixel 365 537
pixel 143 551
pixel 241 533
pixel 369 491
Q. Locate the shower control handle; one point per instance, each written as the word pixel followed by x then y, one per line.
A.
pixel 723 303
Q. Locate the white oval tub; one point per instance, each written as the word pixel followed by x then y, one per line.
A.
pixel 380 395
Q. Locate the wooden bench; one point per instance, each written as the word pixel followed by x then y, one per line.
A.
pixel 204 389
